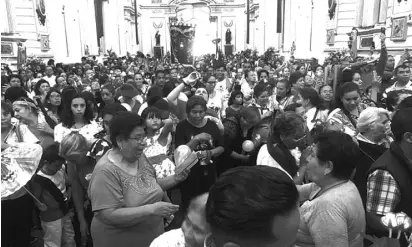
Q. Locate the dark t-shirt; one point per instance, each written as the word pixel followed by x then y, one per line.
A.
pixel 201 177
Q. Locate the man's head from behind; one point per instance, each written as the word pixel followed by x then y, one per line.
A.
pixel 253 206
pixel 402 128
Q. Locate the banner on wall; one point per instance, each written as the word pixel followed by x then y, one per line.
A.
pixel 181 38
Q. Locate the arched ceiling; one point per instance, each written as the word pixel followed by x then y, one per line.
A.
pixel 179 2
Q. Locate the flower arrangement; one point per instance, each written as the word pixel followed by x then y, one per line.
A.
pixel 35 64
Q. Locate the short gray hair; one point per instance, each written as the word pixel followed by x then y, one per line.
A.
pixel 370 116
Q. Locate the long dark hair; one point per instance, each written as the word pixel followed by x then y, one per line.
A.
pixel 37 86
pixel 346 88
pixel 67 114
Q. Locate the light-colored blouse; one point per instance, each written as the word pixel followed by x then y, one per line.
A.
pixel 88 131
pixel 335 218
pixel 112 187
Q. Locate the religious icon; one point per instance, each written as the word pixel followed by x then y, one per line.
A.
pixel 228 37
pixel 157 37
pixel 399 29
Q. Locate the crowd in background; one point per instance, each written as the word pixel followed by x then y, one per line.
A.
pixel 290 152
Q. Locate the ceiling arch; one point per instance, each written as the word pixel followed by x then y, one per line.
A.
pixel 179 2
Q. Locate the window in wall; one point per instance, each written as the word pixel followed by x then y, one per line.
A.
pixel 371 12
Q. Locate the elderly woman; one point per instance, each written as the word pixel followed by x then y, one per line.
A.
pixel 194 227
pixel 374 127
pixel 346 116
pixel 126 198
pixel 29 114
pixel 203 136
pixel 332 213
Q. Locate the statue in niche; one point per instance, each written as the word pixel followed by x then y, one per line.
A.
pixel 157 37
pixel 228 37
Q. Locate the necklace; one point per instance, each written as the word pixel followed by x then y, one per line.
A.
pixel 323 190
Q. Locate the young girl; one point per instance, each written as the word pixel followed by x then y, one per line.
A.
pixel 158 141
pixel 77 115
pixel 235 103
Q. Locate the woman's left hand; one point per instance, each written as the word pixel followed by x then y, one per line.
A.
pixel 182 176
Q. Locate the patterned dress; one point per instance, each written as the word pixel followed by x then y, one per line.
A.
pixel 157 155
pixel 99 148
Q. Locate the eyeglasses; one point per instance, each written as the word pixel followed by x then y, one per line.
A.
pixel 300 139
pixel 139 138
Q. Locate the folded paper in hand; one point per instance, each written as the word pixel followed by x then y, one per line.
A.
pixel 185 159
pixel 188 163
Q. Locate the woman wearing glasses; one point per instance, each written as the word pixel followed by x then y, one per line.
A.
pixel 125 196
pixel 332 213
pixel 53 104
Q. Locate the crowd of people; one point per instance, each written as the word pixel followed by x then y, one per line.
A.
pixel 289 153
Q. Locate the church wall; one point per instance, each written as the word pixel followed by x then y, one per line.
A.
pixel 80 28
pixel 230 12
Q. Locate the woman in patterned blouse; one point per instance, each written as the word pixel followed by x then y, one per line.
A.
pixel 103 144
pixel 346 116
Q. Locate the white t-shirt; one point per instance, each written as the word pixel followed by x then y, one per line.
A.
pixel 59 179
pixel 51 80
pixel 394 87
pixel 265 159
pixel 88 131
pixel 310 114
pixel 221 87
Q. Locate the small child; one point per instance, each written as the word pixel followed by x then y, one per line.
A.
pixel 49 186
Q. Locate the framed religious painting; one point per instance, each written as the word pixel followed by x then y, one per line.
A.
pixel 330 36
pixel 366 42
pixel 399 28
